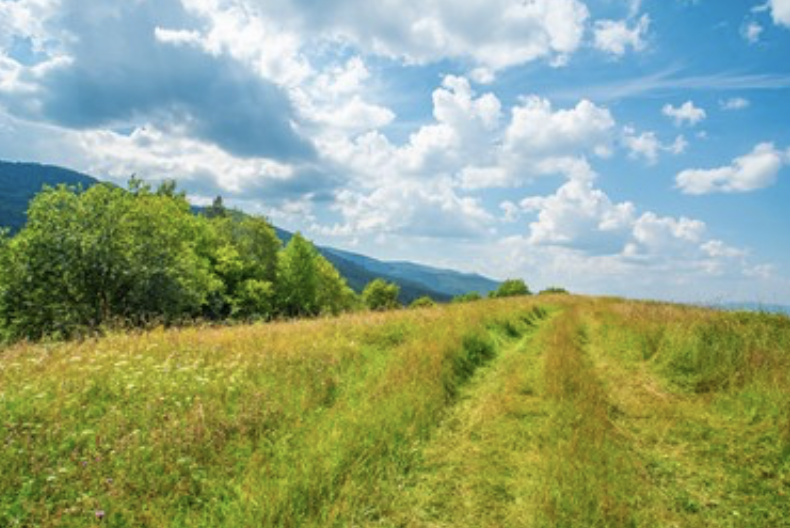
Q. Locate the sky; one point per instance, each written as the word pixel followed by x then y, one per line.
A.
pixel 623 147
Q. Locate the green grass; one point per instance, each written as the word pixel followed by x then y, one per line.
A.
pixel 294 424
pixel 582 413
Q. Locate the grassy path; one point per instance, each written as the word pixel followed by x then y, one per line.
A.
pixel 530 444
pixel 480 468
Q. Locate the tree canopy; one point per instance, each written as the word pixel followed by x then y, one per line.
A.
pixel 110 256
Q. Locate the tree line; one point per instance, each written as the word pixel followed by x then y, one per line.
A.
pixel 107 256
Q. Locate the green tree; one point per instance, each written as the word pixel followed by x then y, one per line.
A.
pixel 380 295
pixel 245 248
pixel 511 288
pixel 104 255
pixel 333 295
pixel 422 302
pixel 297 278
pixel 217 209
pixel 254 299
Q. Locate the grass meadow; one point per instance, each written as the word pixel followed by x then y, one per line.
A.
pixel 556 411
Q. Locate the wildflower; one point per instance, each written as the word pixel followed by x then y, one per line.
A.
pixel 100 514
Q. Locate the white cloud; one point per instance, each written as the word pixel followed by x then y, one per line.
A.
pixel 335 100
pixel 202 167
pixel 780 12
pixel 686 113
pixel 178 36
pixel 587 242
pixel 755 170
pixel 580 229
pixel 734 103
pixel 26 18
pixel 615 37
pixel 717 248
pixel 464 129
pixel 751 32
pixel 539 140
pixel 648 147
pixel 579 216
pixel 653 234
pixel 536 128
pixel 241 31
pixel 423 210
pixel 493 34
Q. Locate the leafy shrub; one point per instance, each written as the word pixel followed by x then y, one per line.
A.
pixel 511 288
pixel 380 295
pixel 422 302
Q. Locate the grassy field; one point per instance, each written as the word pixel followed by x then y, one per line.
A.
pixel 549 411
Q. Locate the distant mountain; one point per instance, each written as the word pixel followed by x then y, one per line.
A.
pixel 20 182
pixel 443 280
pixel 415 280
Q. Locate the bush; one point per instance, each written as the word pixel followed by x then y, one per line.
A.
pixel 511 288
pixel 381 295
pixel 553 290
pixel 422 302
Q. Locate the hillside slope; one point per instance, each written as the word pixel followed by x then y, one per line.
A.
pixel 20 182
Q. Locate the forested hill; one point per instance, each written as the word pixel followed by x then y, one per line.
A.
pixel 19 182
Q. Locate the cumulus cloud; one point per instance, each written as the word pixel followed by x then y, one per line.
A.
pixel 492 34
pixel 780 12
pixel 648 147
pixel 241 31
pixel 686 113
pixel 336 101
pixel 139 78
pixel 615 37
pixel 202 167
pixel 432 210
pixel 579 216
pixel 583 220
pixel 463 129
pixel 536 128
pixel 755 170
pixel 539 140
pixel 473 140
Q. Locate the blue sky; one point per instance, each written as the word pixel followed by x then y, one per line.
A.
pixel 626 147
